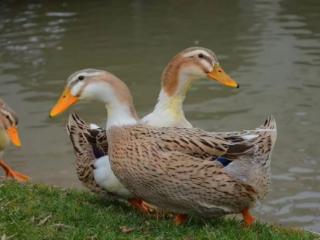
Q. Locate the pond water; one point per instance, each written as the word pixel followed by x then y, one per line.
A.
pixel 272 48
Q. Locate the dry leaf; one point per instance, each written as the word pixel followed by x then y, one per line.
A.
pixel 61 226
pixel 94 237
pixel 126 229
pixel 43 221
pixel 4 237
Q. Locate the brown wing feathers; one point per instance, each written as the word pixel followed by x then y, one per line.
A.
pixel 84 153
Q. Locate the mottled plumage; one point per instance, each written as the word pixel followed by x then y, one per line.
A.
pixel 84 153
pixel 174 168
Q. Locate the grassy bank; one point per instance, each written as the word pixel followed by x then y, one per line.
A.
pixel 43 212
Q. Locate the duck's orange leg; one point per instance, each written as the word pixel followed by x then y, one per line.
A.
pixel 180 219
pixel 139 204
pixel 10 173
pixel 247 217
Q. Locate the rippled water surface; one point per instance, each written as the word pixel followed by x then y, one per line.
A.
pixel 272 48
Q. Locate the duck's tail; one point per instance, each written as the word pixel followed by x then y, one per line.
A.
pixel 253 167
pixel 86 151
pixel 267 136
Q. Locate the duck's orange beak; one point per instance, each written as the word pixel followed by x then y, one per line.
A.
pixel 14 136
pixel 64 102
pixel 221 76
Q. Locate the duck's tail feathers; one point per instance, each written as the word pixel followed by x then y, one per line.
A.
pixel 253 166
pixel 271 126
pixel 265 142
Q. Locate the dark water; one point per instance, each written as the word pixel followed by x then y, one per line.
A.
pixel 272 48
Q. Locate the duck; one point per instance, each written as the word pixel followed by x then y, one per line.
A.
pixel 9 132
pixel 176 170
pixel 92 165
pixel 187 66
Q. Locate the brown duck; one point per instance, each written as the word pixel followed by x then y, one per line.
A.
pixel 190 171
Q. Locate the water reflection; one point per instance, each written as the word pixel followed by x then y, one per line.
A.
pixel 271 48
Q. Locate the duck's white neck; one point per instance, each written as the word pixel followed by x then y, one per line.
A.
pixel 119 106
pixel 169 108
pixel 119 115
pixel 172 104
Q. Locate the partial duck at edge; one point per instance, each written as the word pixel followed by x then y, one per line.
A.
pixel 9 132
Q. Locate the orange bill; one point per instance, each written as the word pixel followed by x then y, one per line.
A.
pixel 64 102
pixel 221 76
pixel 14 136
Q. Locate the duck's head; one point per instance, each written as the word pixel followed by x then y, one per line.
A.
pixel 192 64
pixel 93 84
pixel 9 123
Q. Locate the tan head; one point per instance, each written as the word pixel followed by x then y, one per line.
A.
pixel 93 84
pixel 192 64
pixel 9 122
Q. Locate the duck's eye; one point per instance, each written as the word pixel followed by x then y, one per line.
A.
pixel 9 119
pixel 80 77
pixel 200 55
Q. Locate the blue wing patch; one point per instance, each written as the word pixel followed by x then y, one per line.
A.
pixel 98 153
pixel 223 161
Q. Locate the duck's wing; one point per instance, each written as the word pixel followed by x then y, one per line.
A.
pixel 261 140
pixel 86 151
pixel 194 142
pixel 224 147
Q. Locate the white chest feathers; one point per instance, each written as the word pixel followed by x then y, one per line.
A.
pixel 106 179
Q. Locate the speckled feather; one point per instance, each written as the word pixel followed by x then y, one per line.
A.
pixel 84 154
pixel 173 168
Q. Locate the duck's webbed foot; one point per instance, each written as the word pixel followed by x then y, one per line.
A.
pixel 180 219
pixel 247 217
pixel 10 173
pixel 148 209
pixel 139 204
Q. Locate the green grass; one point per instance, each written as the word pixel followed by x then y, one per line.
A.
pixel 45 212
